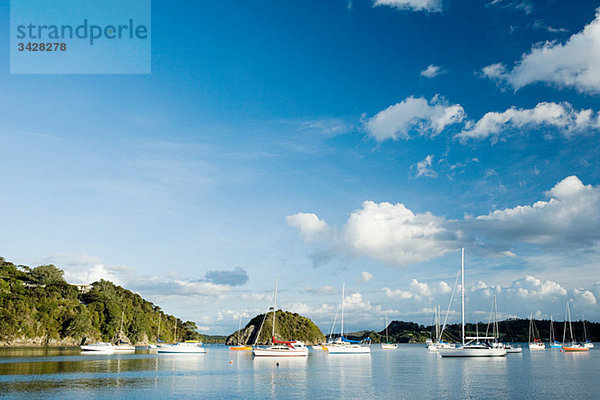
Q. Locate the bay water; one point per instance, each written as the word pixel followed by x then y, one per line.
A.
pixel 406 373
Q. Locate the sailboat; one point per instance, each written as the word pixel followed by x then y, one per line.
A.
pixel 496 332
pixel 553 343
pixel 586 341
pixel 470 349
pixel 240 346
pixel 122 346
pixel 387 345
pixel 280 348
pixel 537 344
pixel 573 346
pixel 438 343
pixel 346 346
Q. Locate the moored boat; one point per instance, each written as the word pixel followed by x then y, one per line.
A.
pixel 99 347
pixel 188 347
pixel 470 349
pixel 573 346
pixel 343 345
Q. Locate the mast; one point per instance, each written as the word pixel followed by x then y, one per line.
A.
pixel 570 325
pixel 274 308
pixel 175 334
pixel 565 324
pixel 496 329
pixel 343 290
pixel 462 290
pixel 386 329
pixel 121 330
pixel 530 328
pixel 551 331
pixel 240 331
pixel 158 330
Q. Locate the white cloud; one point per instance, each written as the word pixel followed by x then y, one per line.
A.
pixel 560 116
pixel 419 291
pixel 365 277
pixel 532 288
pixel 414 5
pixel 413 114
pixel 394 234
pixel 575 63
pixel 424 167
pixel 432 71
pixel 179 287
pixel 570 219
pixel 309 225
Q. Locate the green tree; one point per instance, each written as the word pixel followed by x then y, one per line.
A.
pixel 47 275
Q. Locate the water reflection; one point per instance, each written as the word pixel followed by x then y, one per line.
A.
pixel 281 376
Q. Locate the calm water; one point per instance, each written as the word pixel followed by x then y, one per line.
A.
pixel 406 373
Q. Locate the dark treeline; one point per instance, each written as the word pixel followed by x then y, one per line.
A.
pixel 38 306
pixel 514 330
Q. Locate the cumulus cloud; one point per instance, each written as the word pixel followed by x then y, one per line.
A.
pixel 432 71
pixel 394 234
pixel 413 114
pixel 237 276
pixel 413 5
pixel 424 167
pixel 419 290
pixel 365 277
pixel 569 219
pixel 574 63
pixel 309 225
pixel 560 116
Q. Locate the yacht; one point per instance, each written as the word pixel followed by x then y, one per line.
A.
pixel 189 347
pixel 99 347
pixel 343 345
pixel 280 348
pixel 470 349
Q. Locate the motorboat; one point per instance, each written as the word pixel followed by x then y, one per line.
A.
pixel 189 347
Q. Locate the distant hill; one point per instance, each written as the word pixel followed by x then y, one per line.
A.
pixel 37 307
pixel 288 326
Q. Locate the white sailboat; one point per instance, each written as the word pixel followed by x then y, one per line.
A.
pixel 586 341
pixel 280 348
pixel 470 349
pixel 537 344
pixel 346 346
pixel 387 345
pixel 496 332
pixel 122 346
pixel 553 343
pixel 187 347
pixel 98 348
pixel 573 346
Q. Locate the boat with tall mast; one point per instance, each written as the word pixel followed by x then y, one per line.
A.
pixel 553 343
pixel 343 345
pixel 536 344
pixel 280 348
pixel 387 345
pixel 470 348
pixel 573 346
pixel 240 346
pixel 586 340
pixel 121 345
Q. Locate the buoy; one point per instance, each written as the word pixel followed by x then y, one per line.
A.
pixel 230 361
pixel 277 364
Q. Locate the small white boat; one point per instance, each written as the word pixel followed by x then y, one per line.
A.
pixel 387 345
pixel 586 342
pixel 288 349
pixel 99 347
pixel 345 346
pixel 280 348
pixel 512 349
pixel 470 349
pixel 319 347
pixel 537 344
pixel 574 346
pixel 189 347
pixel 473 350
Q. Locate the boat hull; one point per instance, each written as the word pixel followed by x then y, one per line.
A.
pixel 389 346
pixel 280 352
pixel 537 346
pixel 472 352
pixel 180 351
pixel 349 350
pixel 574 349
pixel 240 348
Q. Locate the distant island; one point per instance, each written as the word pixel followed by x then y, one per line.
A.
pixel 288 326
pixel 37 307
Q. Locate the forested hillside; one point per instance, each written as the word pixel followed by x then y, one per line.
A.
pixel 38 307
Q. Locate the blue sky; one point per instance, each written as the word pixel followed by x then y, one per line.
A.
pixel 322 142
